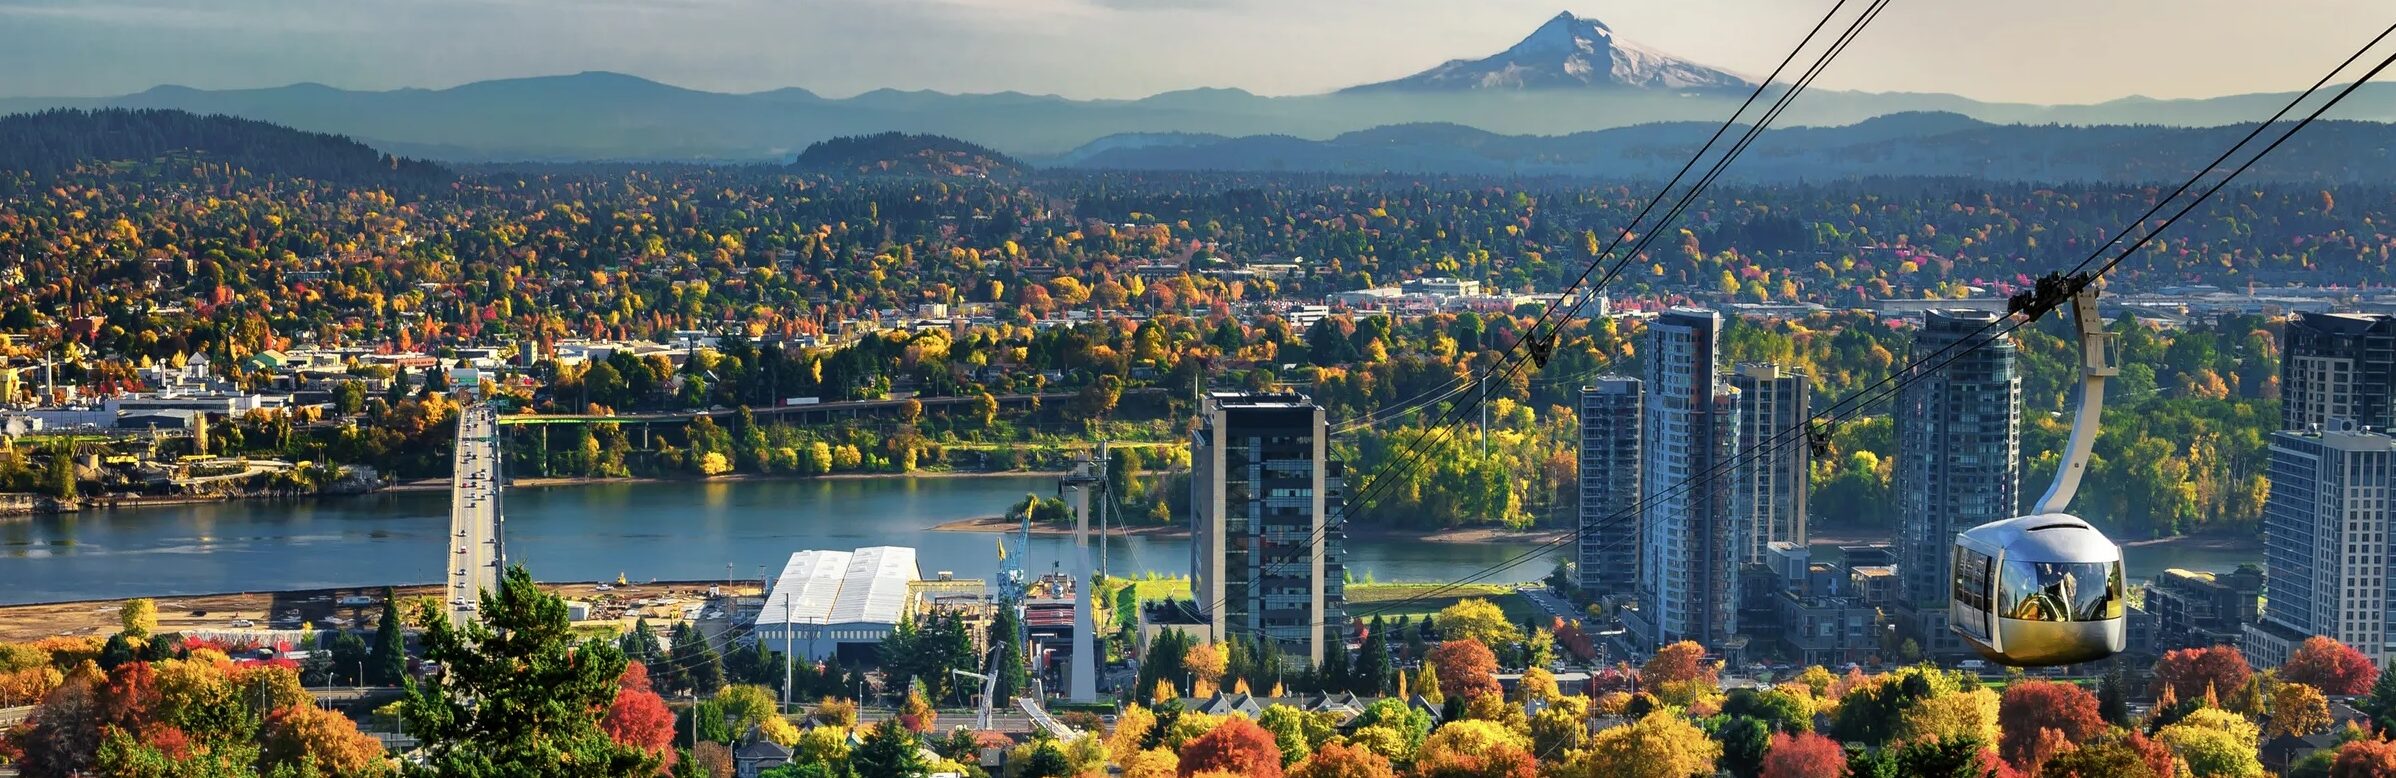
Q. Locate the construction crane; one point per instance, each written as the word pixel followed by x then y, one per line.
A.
pixel 981 714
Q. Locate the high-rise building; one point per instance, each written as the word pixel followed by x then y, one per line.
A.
pixel 1265 524
pixel 1774 462
pixel 1687 572
pixel 2325 545
pixel 1608 562
pixel 2338 366
pixel 1958 464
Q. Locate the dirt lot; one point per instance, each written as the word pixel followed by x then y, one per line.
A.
pixel 272 611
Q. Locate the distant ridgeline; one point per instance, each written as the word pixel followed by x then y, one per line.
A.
pixel 900 154
pixel 49 143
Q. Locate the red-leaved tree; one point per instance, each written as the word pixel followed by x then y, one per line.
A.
pixel 1236 746
pixel 2333 667
pixel 1466 668
pixel 2188 671
pixel 639 717
pixel 1804 755
pixel 2030 706
pixel 2365 758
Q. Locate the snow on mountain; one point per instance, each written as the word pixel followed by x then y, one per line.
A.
pixel 1569 52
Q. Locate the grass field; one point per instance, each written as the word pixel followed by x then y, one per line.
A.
pixel 1366 599
pixel 1399 599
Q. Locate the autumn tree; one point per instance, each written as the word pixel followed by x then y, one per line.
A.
pixel 1206 665
pixel 2331 666
pixel 2114 756
pixel 638 717
pixel 1477 619
pixel 1803 755
pixel 2365 758
pixel 2214 742
pixel 1682 661
pixel 138 617
pixel 1466 668
pixel 1476 749
pixel 1340 760
pixel 2297 709
pixel 2188 672
pixel 1237 746
pixel 2031 706
pixel 310 739
pixel 1658 745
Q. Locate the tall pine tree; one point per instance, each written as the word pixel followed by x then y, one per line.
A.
pixel 519 695
pixel 389 664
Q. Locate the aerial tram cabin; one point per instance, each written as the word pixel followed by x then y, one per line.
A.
pixel 2046 589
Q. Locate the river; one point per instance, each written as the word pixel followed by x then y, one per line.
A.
pixel 664 530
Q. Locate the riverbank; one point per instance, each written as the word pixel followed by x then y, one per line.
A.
pixel 442 484
pixel 1002 524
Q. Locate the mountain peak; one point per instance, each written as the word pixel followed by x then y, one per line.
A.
pixel 1569 52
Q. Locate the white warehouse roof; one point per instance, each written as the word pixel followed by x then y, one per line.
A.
pixel 868 586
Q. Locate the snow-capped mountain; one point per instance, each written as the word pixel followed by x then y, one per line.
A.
pixel 1569 52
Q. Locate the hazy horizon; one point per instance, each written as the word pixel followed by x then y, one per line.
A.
pixel 1123 49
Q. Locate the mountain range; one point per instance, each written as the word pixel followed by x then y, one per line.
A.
pixel 1571 75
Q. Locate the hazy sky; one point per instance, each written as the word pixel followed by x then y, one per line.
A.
pixel 2014 50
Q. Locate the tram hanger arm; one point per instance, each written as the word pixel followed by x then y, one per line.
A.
pixel 2096 364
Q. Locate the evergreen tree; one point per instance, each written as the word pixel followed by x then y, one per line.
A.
pixel 118 651
pixel 891 750
pixel 1006 632
pixel 389 665
pixel 2380 704
pixel 640 645
pixel 1372 662
pixel 2113 697
pixel 1334 675
pixel 700 669
pixel 349 659
pixel 520 696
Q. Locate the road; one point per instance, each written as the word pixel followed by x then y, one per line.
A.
pixel 473 550
pixel 1549 604
pixel 10 717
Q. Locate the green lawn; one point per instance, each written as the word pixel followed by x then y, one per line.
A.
pixel 1400 599
pixel 1369 598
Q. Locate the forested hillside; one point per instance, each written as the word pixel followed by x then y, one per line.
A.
pixel 52 142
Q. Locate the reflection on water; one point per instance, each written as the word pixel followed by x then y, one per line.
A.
pixel 656 530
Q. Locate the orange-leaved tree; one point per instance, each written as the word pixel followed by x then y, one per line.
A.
pixel 1466 668
pixel 1237 746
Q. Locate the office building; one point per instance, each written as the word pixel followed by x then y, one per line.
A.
pixel 2338 367
pixel 1773 459
pixel 1265 522
pixel 1958 459
pixel 1688 587
pixel 2325 545
pixel 1607 565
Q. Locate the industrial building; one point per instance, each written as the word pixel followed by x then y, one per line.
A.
pixel 828 602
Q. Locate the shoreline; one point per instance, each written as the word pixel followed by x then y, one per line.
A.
pixel 212 612
pixel 442 484
pixel 1456 535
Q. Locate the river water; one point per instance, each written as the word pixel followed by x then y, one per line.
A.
pixel 664 530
